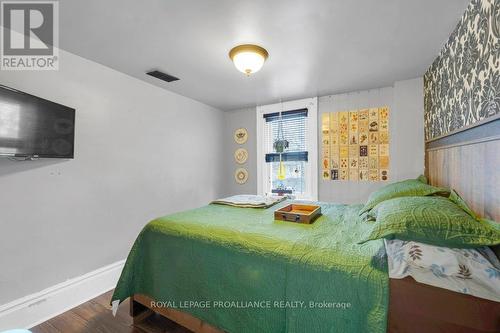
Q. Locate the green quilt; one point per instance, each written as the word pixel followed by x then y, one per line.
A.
pixel 239 270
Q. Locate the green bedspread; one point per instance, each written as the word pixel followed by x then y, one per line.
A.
pixel 239 270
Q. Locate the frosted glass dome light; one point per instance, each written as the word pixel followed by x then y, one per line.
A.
pixel 248 58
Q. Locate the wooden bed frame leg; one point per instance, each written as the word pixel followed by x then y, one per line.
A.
pixel 138 312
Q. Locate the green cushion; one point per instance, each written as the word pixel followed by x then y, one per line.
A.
pixel 422 179
pixel 457 199
pixel 406 188
pixel 432 220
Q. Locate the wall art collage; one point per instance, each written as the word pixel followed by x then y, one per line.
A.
pixel 355 145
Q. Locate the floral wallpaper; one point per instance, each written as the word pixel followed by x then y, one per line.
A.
pixel 462 86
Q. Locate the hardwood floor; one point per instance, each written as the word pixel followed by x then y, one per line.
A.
pixel 95 316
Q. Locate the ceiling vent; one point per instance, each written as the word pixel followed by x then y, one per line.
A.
pixel 162 76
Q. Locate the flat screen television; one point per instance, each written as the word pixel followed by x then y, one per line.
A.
pixel 33 127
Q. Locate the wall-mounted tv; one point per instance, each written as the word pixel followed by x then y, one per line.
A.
pixel 34 127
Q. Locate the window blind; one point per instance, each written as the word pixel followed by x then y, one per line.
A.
pixel 285 115
pixel 294 131
pixel 288 156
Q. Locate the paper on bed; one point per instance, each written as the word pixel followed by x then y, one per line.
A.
pixel 250 201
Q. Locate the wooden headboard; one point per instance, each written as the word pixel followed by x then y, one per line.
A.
pixel 469 162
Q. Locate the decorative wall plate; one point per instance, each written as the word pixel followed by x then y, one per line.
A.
pixel 241 135
pixel 241 175
pixel 241 155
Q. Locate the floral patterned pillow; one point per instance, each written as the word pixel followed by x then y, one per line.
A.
pixel 469 271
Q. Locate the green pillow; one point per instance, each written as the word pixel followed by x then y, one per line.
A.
pixel 457 199
pixel 432 220
pixel 406 188
pixel 422 179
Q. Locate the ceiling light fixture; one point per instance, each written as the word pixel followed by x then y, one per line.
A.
pixel 248 58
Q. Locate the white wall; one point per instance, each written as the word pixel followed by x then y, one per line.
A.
pixel 406 101
pixel 408 141
pixel 234 120
pixel 141 152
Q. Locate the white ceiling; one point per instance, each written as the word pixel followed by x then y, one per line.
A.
pixel 316 47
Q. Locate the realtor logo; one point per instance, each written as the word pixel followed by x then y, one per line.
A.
pixel 29 35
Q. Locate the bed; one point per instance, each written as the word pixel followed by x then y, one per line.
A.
pixel 239 255
pixel 224 255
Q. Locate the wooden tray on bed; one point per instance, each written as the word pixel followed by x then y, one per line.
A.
pixel 298 213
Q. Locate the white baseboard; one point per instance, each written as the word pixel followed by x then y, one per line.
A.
pixel 34 309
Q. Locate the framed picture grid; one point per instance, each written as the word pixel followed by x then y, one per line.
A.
pixel 355 145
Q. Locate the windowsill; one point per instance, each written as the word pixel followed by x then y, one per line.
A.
pixel 303 198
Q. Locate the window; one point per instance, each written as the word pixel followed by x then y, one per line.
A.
pixel 295 122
